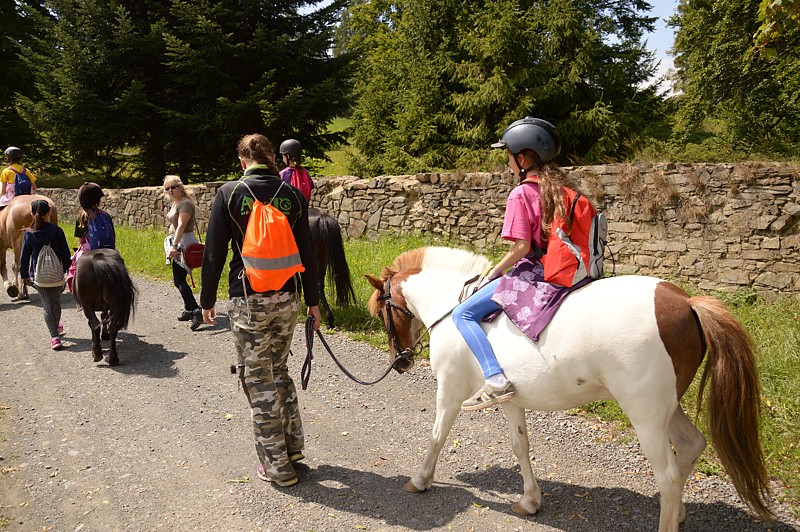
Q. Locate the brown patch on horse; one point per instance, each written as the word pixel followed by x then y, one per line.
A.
pixel 410 260
pixel 679 332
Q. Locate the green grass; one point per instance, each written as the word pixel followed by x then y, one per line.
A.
pixel 339 157
pixel 774 327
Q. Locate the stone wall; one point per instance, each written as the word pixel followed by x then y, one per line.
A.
pixel 717 226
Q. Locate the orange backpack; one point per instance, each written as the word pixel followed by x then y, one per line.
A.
pixel 269 252
pixel 575 253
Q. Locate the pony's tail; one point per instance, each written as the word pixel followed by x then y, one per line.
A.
pixel 734 402
pixel 113 276
pixel 339 272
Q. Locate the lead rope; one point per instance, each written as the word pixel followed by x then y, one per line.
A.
pixel 305 372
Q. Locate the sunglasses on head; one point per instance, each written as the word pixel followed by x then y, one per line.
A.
pixel 171 187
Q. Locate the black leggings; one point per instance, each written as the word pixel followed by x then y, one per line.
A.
pixel 179 278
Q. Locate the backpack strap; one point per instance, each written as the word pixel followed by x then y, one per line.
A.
pixel 572 209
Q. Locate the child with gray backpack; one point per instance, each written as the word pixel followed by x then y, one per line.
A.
pixel 44 261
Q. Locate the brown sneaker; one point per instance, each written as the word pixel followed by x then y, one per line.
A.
pixel 488 396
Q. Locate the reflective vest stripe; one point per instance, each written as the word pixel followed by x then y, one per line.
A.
pixel 279 263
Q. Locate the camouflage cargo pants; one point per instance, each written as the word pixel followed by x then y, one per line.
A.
pixel 262 343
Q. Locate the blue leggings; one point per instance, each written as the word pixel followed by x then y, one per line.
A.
pixel 468 315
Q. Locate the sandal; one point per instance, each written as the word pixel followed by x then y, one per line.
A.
pixel 488 396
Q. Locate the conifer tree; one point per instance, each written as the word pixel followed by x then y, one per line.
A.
pixel 439 80
pixel 146 87
pixel 743 77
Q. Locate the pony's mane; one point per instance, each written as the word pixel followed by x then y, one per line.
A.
pixel 457 261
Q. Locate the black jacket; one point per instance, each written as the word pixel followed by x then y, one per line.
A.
pixel 32 243
pixel 228 222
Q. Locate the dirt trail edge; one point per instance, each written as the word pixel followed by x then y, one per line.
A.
pixel 163 441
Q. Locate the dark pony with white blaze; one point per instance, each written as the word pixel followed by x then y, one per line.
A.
pixel 14 219
pixel 102 284
pixel 636 340
pixel 326 236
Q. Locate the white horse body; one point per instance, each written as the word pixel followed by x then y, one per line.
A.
pixel 564 369
pixel 637 340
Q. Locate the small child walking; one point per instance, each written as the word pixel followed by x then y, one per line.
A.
pixel 42 233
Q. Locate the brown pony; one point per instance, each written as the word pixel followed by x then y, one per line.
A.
pixel 14 219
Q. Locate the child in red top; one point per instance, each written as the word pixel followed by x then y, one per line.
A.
pixel 291 151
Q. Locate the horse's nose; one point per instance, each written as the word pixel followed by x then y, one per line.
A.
pixel 404 365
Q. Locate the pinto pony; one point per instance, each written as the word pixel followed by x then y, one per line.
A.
pixel 636 340
pixel 14 219
pixel 102 284
pixel 326 237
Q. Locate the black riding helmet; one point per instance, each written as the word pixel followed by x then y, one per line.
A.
pixel 533 133
pixel 13 153
pixel 89 195
pixel 291 147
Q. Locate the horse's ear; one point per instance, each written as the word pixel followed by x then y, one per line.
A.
pixel 374 282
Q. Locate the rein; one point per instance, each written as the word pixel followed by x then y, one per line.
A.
pixel 404 354
pixel 305 372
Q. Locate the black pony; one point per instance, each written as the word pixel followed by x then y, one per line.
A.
pixel 102 283
pixel 326 235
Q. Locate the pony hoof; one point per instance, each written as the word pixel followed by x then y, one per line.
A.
pixel 113 362
pixel 520 508
pixel 98 358
pixel 12 290
pixel 410 487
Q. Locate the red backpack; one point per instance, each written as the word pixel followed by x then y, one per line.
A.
pixel 574 254
pixel 302 182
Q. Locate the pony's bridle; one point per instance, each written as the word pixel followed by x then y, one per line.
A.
pixel 410 352
pixel 413 350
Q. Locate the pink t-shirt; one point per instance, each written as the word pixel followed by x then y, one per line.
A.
pixel 523 218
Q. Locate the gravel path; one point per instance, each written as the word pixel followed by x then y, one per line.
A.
pixel 163 441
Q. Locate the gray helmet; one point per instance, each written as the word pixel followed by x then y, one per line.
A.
pixel 292 147
pixel 534 133
pixel 13 151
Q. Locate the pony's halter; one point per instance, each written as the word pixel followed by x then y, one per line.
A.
pixel 411 351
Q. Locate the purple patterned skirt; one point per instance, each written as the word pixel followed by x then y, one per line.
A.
pixel 527 299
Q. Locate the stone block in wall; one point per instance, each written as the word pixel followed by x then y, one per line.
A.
pixel 356 228
pixel 361 205
pixel 395 221
pixel 736 277
pixel 622 227
pixel 375 220
pixel 782 223
pixel 780 281
pixel 791 242
pixel 785 267
pixel 771 243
